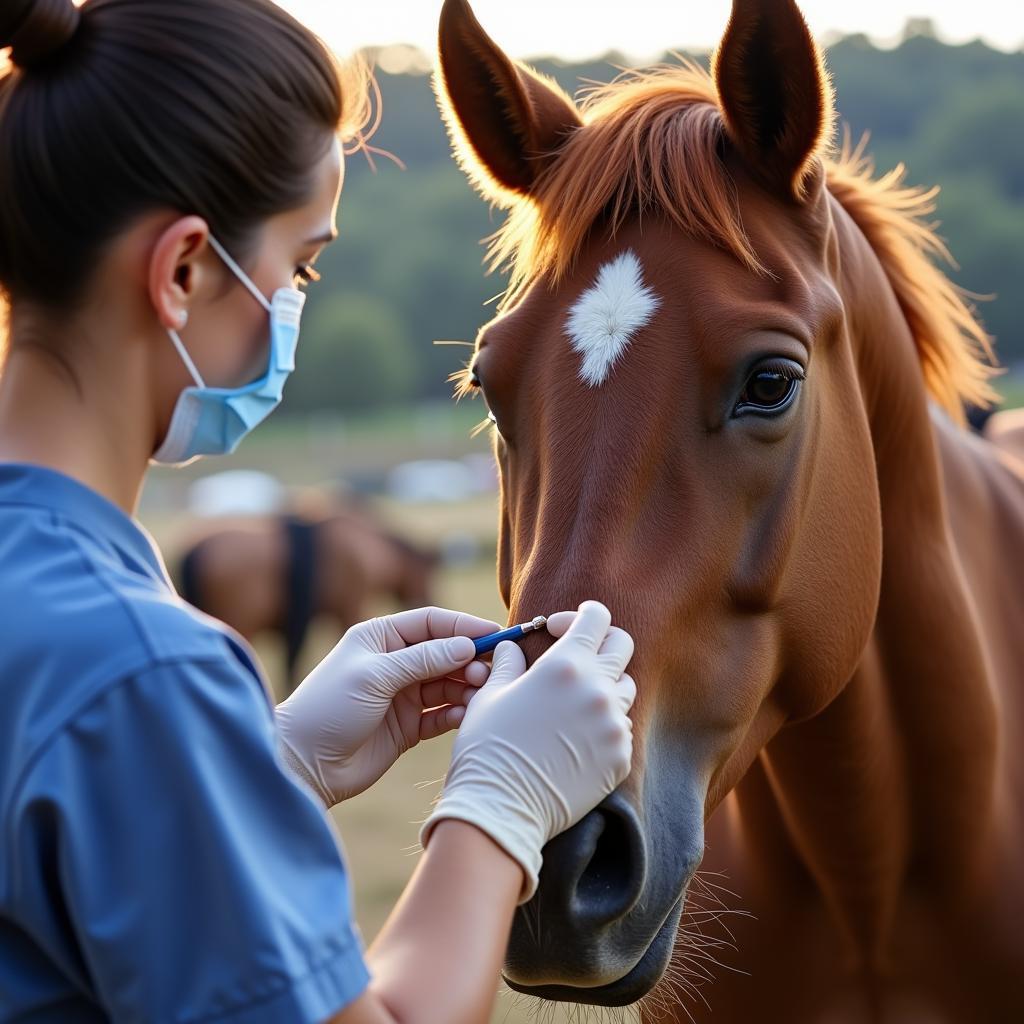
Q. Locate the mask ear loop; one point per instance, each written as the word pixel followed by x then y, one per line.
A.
pixel 185 357
pixel 243 277
pixel 239 272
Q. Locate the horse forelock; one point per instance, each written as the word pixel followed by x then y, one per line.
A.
pixel 652 143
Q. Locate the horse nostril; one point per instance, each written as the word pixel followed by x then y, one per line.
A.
pixel 596 870
pixel 609 870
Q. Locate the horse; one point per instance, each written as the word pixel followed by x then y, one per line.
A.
pixel 278 573
pixel 726 385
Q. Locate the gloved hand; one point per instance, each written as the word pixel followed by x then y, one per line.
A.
pixel 539 748
pixel 366 703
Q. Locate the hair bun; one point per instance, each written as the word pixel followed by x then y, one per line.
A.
pixel 36 29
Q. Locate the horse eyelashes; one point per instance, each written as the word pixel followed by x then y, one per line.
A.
pixel 783 367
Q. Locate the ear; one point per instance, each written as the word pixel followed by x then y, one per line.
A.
pixel 774 91
pixel 174 273
pixel 505 120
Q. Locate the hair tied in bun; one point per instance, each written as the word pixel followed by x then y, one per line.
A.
pixel 36 29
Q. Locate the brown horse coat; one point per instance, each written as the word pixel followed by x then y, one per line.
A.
pixel 727 387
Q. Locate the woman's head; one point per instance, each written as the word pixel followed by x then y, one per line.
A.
pixel 220 108
pixel 132 129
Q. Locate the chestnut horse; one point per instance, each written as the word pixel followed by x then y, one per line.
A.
pixel 727 385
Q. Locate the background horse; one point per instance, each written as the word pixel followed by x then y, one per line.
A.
pixel 278 573
pixel 727 385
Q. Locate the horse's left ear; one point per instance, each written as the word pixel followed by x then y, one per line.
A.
pixel 506 121
pixel 774 91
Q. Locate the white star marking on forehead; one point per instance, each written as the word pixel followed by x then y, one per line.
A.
pixel 606 316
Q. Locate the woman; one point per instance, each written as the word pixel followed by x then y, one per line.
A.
pixel 169 170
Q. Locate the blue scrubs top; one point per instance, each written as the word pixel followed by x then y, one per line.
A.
pixel 157 862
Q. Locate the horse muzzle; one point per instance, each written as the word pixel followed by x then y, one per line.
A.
pixel 601 927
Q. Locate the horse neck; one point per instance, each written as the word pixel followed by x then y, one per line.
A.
pixel 896 777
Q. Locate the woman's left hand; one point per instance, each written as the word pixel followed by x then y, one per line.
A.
pixel 389 683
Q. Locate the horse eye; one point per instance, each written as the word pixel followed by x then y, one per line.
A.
pixel 769 390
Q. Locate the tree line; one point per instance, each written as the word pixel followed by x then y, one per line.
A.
pixel 407 267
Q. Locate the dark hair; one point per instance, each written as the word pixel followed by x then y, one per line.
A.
pixel 219 108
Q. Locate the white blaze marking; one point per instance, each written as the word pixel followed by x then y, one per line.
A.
pixel 607 316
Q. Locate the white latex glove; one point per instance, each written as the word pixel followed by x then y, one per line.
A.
pixel 389 683
pixel 539 748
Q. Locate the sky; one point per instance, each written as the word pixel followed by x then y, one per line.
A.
pixel 642 29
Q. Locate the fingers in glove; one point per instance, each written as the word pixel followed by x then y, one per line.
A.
pixel 616 650
pixel 445 691
pixel 625 692
pixel 419 624
pixel 559 622
pixel 476 673
pixel 507 663
pixel 424 662
pixel 590 626
pixel 438 721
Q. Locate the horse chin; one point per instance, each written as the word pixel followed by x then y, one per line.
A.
pixel 631 987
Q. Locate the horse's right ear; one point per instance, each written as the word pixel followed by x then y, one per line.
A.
pixel 505 120
pixel 775 93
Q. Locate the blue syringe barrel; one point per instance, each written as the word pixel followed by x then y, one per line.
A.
pixel 483 644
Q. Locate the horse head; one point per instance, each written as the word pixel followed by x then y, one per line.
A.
pixel 681 431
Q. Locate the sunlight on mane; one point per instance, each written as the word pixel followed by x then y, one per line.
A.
pixel 650 138
pixel 955 353
pixel 651 142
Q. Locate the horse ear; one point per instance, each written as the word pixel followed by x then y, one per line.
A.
pixel 774 91
pixel 505 120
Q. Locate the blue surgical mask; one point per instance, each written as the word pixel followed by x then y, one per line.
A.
pixel 213 421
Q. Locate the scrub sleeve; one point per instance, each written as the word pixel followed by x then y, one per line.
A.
pixel 185 877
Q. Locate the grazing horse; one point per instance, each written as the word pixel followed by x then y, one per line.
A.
pixel 278 573
pixel 727 384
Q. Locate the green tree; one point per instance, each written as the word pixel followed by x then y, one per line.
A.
pixel 407 268
pixel 980 126
pixel 353 354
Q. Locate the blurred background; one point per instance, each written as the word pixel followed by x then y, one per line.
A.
pixel 366 491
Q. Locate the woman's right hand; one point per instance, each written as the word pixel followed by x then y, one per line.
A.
pixel 540 747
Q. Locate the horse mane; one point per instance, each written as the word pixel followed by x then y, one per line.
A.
pixel 955 353
pixel 654 144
